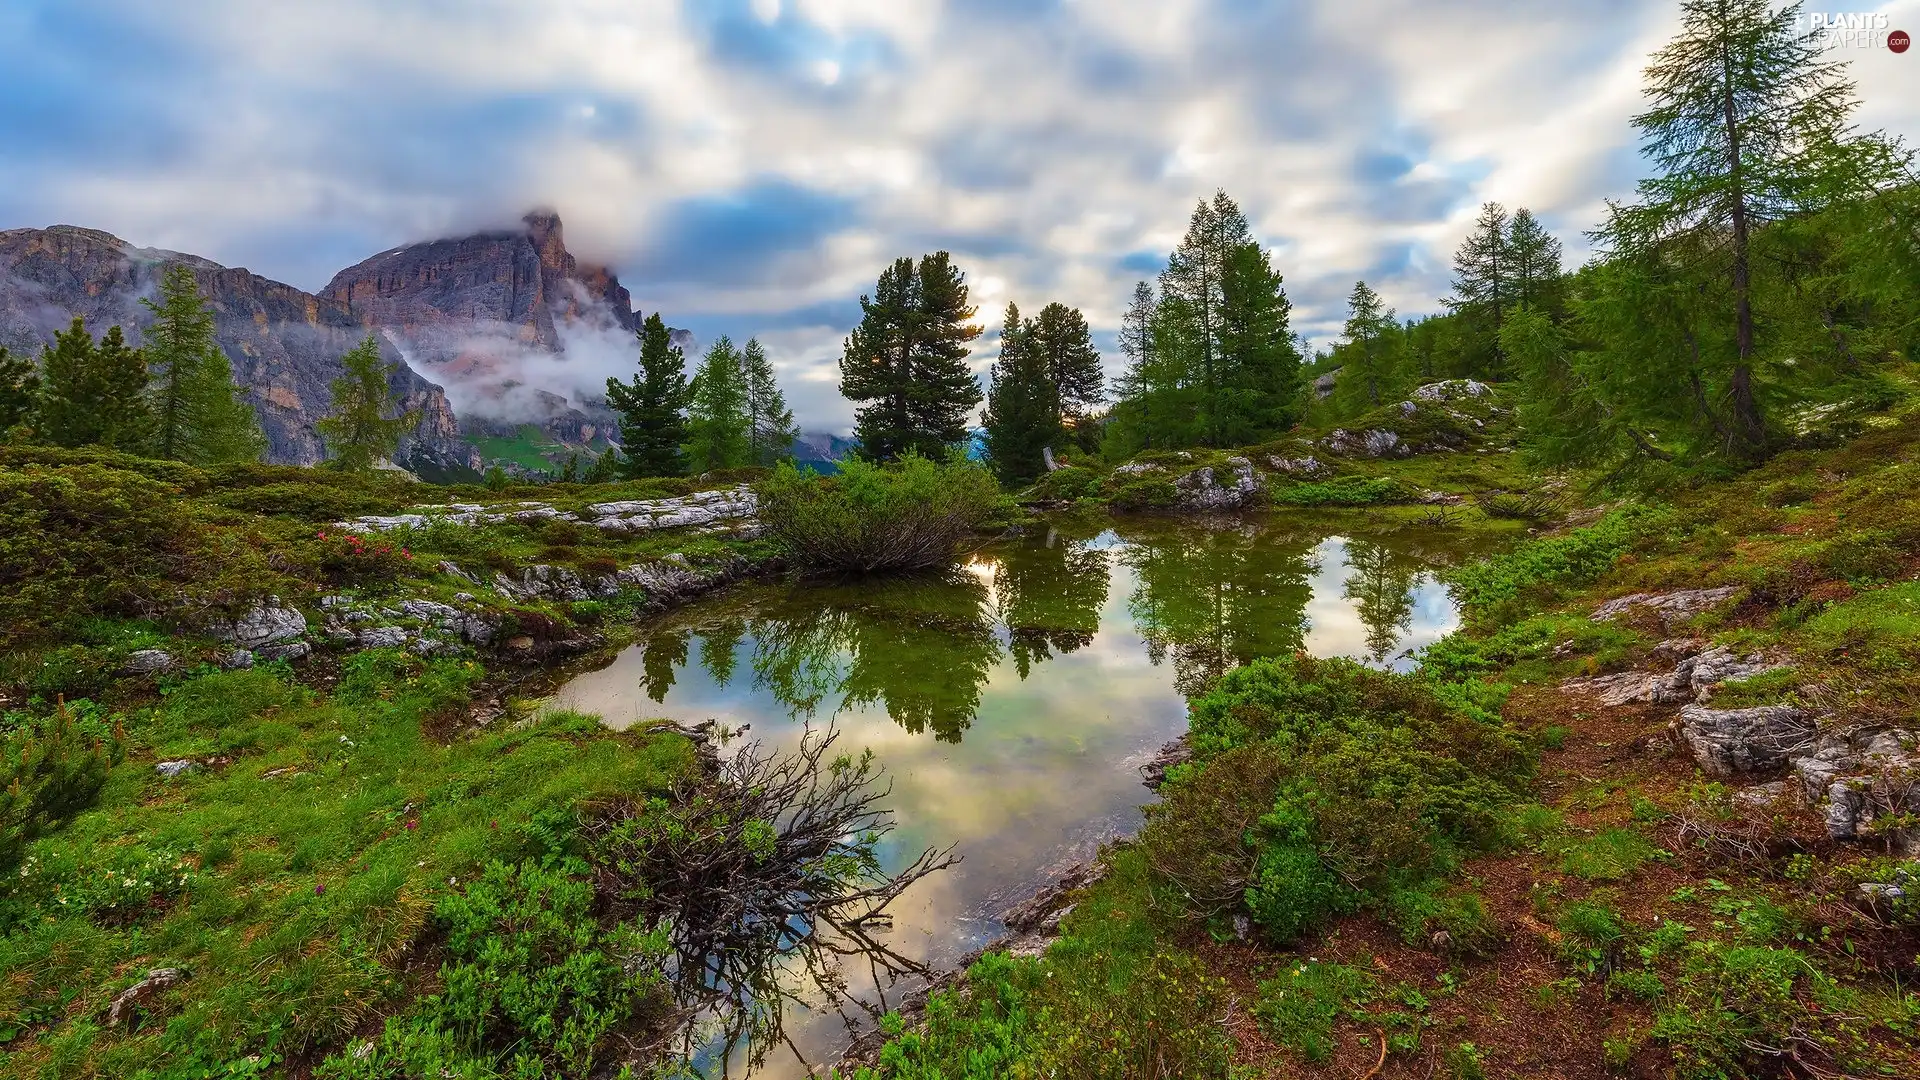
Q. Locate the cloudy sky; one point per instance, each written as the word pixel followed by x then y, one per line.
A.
pixel 748 166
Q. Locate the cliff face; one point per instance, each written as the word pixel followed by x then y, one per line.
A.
pixel 285 344
pixel 518 330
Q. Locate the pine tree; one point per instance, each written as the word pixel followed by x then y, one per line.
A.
pixel 769 421
pixel 1022 416
pixel 907 360
pixel 225 427
pixel 1533 259
pixel 1261 392
pixel 356 430
pixel 1369 322
pixel 1747 126
pixel 1483 288
pixel 200 416
pixel 19 391
pixel 652 407
pixel 1061 338
pixel 717 423
pixel 605 468
pixel 1192 291
pixel 94 393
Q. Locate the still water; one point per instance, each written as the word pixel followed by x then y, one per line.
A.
pixel 1013 699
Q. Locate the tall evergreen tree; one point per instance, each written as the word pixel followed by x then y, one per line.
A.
pixel 1369 323
pixel 1748 126
pixel 718 428
pixel 200 416
pixel 19 391
pixel 907 361
pixel 1022 416
pixel 1061 338
pixel 94 393
pixel 1261 393
pixel 357 430
pixel 652 406
pixel 1192 286
pixel 770 429
pixel 1483 287
pixel 1533 259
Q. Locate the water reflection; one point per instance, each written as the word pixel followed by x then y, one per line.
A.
pixel 1012 698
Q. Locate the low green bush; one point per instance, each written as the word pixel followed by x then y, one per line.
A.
pixel 1492 590
pixel 1140 492
pixel 1341 491
pixel 909 515
pixel 1298 1008
pixel 1068 484
pixel 1734 1010
pixel 49 772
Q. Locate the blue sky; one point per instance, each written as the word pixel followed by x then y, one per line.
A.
pixel 748 166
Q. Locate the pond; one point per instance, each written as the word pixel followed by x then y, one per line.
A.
pixel 1013 699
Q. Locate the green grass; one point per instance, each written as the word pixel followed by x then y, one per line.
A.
pixel 294 899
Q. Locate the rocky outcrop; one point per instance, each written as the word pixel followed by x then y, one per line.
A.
pixel 1373 443
pixel 1670 607
pixel 285 344
pixel 1453 390
pixel 1861 777
pixel 1692 679
pixel 269 623
pixel 1208 488
pixel 732 508
pixel 1741 742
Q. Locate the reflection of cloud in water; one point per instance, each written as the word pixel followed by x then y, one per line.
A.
pixel 1042 773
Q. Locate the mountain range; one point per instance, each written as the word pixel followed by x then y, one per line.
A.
pixel 496 336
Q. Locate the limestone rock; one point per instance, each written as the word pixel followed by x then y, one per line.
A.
pixel 265 624
pixel 1861 776
pixel 1201 490
pixel 147 662
pixel 1373 443
pixel 171 769
pixel 1138 468
pixel 156 981
pixel 1306 467
pixel 1452 390
pixel 382 637
pixel 237 660
pixel 1671 607
pixel 1692 679
pixel 1736 742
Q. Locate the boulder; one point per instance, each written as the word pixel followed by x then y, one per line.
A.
pixel 264 624
pixel 146 662
pixel 237 660
pixel 156 981
pixel 1201 490
pixel 1739 742
pixel 382 637
pixel 171 769
pixel 1373 443
pixel 1671 607
pixel 1452 390
pixel 1139 468
pixel 1861 776
pixel 291 650
pixel 1692 679
pixel 1306 467
pixel 542 581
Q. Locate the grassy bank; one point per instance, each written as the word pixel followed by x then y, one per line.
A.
pixel 1471 871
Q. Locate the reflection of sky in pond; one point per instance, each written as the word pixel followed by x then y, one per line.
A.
pixel 1024 774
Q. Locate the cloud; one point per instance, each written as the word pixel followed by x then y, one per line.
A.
pixel 749 166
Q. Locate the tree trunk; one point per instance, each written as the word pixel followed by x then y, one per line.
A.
pixel 1752 429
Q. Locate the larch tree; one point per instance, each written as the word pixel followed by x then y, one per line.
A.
pixel 1369 323
pixel 1748 126
pixel 199 415
pixel 769 422
pixel 1483 286
pixel 357 430
pixel 1261 393
pixel 94 392
pixel 717 422
pixel 906 361
pixel 652 407
pixel 1533 256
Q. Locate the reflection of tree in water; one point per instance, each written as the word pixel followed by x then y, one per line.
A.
pixel 719 644
pixel 1380 584
pixel 1049 596
pixel 1217 598
pixel 922 647
pixel 663 651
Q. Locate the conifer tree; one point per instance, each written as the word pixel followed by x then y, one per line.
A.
pixel 1483 288
pixel 1369 322
pixel 1022 416
pixel 1533 258
pixel 1261 395
pixel 94 393
pixel 1064 344
pixel 357 431
pixel 200 416
pixel 907 361
pixel 652 406
pixel 19 391
pixel 769 422
pixel 718 428
pixel 1748 125
pixel 1191 290
pixel 605 468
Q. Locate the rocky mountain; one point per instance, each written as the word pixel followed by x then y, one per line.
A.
pixel 519 330
pixel 285 344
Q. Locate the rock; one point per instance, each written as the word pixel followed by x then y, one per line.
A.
pixel 1373 443
pixel 1861 776
pixel 292 650
pixel 1408 408
pixel 1032 914
pixel 265 624
pixel 1140 468
pixel 1671 607
pixel 1452 390
pixel 156 981
pixel 1761 796
pixel 382 637
pixel 1692 679
pixel 1738 742
pixel 171 769
pixel 146 662
pixel 451 569
pixel 1323 385
pixel 1153 772
pixel 1199 490
pixel 237 660
pixel 1308 466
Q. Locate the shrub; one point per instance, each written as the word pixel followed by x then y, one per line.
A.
pixel 1341 491
pixel 1196 836
pixel 347 558
pixel 909 515
pixel 532 981
pixel 1068 484
pixel 1735 1008
pixel 1490 587
pixel 49 773
pixel 1424 913
pixel 1141 492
